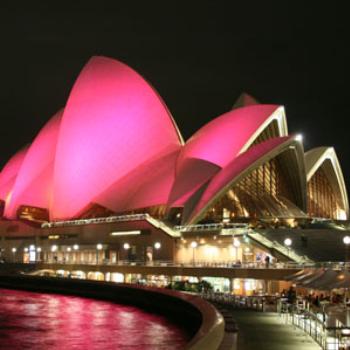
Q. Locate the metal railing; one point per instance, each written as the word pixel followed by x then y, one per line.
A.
pixel 290 253
pixel 196 264
pixel 315 325
pixel 120 218
pixel 108 219
pixel 210 227
pixel 264 303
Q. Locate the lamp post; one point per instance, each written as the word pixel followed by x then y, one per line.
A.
pixel 194 245
pixel 346 241
pixel 157 246
pixel 76 248
pixel 32 253
pixel 236 244
pixel 25 254
pixel 98 248
pixel 288 242
pixel 126 247
pixel 69 249
pixel 14 250
pixel 54 250
pixel 38 250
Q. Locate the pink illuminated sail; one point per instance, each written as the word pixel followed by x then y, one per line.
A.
pixel 9 173
pixel 214 146
pixel 113 122
pixel 223 138
pixel 240 164
pixel 33 186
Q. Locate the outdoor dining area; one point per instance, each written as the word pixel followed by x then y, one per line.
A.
pixel 318 302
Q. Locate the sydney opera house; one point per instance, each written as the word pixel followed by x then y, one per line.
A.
pixel 111 168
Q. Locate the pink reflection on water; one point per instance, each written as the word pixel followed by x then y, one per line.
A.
pixel 43 321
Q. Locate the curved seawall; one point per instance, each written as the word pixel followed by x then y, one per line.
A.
pixel 203 322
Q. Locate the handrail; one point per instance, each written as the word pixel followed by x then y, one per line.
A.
pixel 210 227
pixel 108 219
pixel 161 225
pixel 117 218
pixel 290 253
pixel 328 337
pixel 205 264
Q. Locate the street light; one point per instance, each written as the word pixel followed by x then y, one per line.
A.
pixel 299 137
pixel 75 256
pixel 126 247
pixel 288 242
pixel 157 246
pixel 14 250
pixel 38 250
pixel 54 250
pixel 69 249
pixel 346 241
pixel 194 245
pixel 236 244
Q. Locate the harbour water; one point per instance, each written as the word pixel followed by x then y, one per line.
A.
pixel 50 321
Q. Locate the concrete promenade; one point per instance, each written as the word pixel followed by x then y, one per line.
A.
pixel 265 331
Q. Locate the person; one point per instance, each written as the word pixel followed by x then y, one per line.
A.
pixel 267 261
pixel 291 295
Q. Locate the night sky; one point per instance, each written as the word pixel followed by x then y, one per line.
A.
pixel 198 55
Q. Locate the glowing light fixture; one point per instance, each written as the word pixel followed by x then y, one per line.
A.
pixel 54 248
pixel 99 246
pixel 157 245
pixel 125 233
pixel 346 240
pixel 346 331
pixel 236 242
pixel 126 246
pixel 54 236
pixel 194 244
pixel 76 247
pixel 14 250
pixel 287 242
pixel 299 137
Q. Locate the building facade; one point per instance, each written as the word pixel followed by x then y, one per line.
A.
pixel 109 179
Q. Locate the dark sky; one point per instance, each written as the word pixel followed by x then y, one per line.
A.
pixel 199 56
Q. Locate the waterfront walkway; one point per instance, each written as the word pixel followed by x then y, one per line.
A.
pixel 266 331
